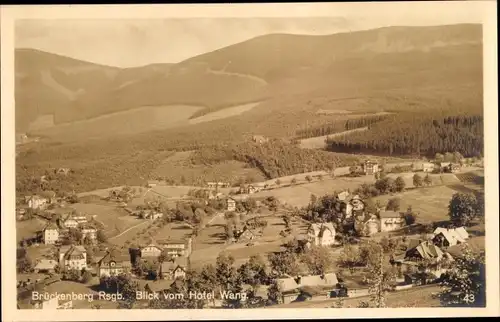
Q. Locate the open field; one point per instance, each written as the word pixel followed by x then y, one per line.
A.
pixel 179 168
pixel 431 203
pixel 114 219
pixel 319 142
pixel 299 195
pixel 225 113
pixel 134 121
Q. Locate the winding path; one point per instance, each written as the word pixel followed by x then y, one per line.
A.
pixel 128 229
pixel 247 76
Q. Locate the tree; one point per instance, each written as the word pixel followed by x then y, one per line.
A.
pixel 283 263
pixel 439 157
pixel 349 257
pixel 121 284
pixel 379 281
pixel 464 284
pixel 24 263
pixel 101 237
pixel 72 275
pixel 427 180
pixel 278 182
pixel 399 184
pixel 410 216
pixel 320 177
pixel 74 236
pixel 393 204
pixel 318 260
pixel 417 180
pixel 86 277
pixel 308 178
pixel 274 294
pixel 294 181
pixel 462 208
pixel 253 272
pixel 370 206
pixel 225 271
pixel 384 185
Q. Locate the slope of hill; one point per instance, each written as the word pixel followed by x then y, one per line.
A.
pixel 265 67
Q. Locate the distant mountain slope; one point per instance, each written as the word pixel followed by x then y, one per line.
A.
pixel 270 66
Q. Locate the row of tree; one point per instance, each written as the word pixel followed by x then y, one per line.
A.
pixel 338 126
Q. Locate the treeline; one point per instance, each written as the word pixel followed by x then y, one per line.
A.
pixel 417 133
pixel 338 126
pixel 274 159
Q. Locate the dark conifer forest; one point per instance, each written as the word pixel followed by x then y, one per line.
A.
pixel 418 133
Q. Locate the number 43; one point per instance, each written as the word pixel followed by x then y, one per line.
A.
pixel 469 298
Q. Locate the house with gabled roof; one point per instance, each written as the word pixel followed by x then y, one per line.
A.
pixel 175 268
pixel 418 250
pixel 51 233
pixel 290 287
pixel 113 263
pixel 391 220
pixel 73 257
pixel 246 234
pixel 450 237
pixel 322 234
pixel 45 265
pixel 151 250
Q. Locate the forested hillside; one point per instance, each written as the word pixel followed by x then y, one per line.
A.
pixel 339 126
pixel 418 133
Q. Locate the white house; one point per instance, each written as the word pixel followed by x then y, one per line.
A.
pixel 450 237
pixel 72 257
pixel 321 234
pixel 113 263
pixel 151 250
pixel 36 202
pixel 70 222
pixel 231 204
pixel 51 234
pixel 391 220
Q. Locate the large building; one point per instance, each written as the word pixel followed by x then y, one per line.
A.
pixel 72 257
pixel 176 247
pixel 113 263
pixel 391 220
pixel 50 234
pixel 370 167
pixel 321 234
pixel 151 250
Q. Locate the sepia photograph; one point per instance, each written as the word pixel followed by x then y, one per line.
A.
pixel 323 158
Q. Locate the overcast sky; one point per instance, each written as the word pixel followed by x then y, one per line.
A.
pixel 127 43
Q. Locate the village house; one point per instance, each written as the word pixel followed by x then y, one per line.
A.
pixel 50 234
pixel 260 139
pixel 36 202
pixel 290 287
pixel 248 189
pixel 173 269
pixel 214 185
pixel 321 234
pixel 423 166
pixel 418 250
pixel 80 218
pixel 391 220
pixel 45 266
pixel 113 263
pixel 69 222
pixel 151 250
pixel 245 235
pixel 366 224
pixel 177 247
pixel 88 231
pixel 450 237
pixel 370 167
pixel 72 257
pixel 231 204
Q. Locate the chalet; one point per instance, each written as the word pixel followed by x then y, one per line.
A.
pixel 89 231
pixel 249 189
pixel 231 204
pixel 370 167
pixel 321 234
pixel 418 250
pixel 213 185
pixel 450 237
pixel 45 266
pixel 36 202
pixel 176 247
pixel 151 250
pixel 419 278
pixel 50 234
pixel 173 269
pixel 366 224
pixel 391 220
pixel 113 263
pixel 72 257
pixel 290 287
pixel 260 139
pixel 245 235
